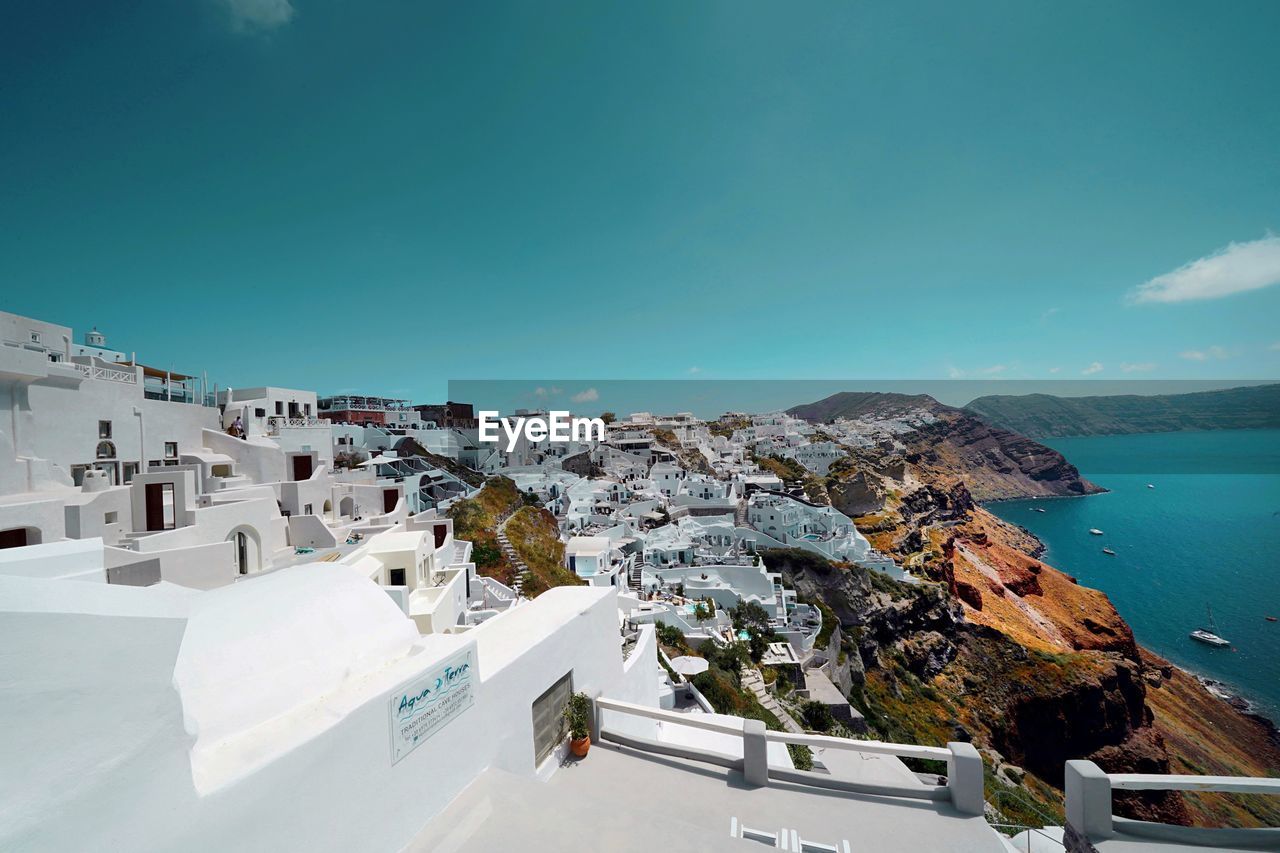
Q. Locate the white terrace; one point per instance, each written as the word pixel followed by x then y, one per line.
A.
pixel 625 799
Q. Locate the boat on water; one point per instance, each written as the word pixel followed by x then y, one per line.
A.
pixel 1209 636
pixel 1036 509
pixel 1095 531
pixel 1108 551
pixel 1151 485
pixel 1271 619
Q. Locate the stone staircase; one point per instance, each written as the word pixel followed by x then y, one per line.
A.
pixel 754 681
pixel 740 514
pixel 522 569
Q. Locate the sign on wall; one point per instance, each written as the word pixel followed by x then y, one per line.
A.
pixel 425 705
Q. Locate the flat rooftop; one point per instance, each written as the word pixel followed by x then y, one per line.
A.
pixel 619 799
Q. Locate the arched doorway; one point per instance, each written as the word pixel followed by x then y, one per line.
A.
pixel 327 510
pixel 246 549
pixel 20 537
pixel 347 507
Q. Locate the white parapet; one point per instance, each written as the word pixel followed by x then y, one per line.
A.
pixel 1092 824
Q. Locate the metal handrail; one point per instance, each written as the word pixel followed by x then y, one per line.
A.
pixel 1017 828
pixel 1026 803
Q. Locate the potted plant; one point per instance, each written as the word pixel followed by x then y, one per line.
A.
pixel 577 715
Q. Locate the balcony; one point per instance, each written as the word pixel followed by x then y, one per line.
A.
pixel 276 423
pixel 105 374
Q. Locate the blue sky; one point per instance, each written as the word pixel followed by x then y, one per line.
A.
pixel 386 196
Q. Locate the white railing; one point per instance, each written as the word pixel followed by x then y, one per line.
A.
pixel 1089 808
pixel 275 423
pixel 873 747
pixel 110 374
pixel 964 787
pixel 499 591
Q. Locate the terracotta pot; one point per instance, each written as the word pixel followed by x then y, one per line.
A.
pixel 579 746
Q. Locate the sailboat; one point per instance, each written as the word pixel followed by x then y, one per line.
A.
pixel 1209 636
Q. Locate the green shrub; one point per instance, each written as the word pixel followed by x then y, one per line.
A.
pixel 731 659
pixel 829 623
pixel 716 687
pixel 670 636
pixel 577 715
pixel 801 756
pixel 817 716
pixel 486 553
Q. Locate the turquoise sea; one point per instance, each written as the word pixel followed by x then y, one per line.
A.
pixel 1207 534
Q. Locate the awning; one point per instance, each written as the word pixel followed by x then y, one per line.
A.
pixel 157 373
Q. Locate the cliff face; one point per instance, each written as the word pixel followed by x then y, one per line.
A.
pixel 994 464
pixel 1204 735
pixel 1025 598
pixel 1044 415
pixel 946 442
pixel 1000 648
pixel 855 494
pixel 922 669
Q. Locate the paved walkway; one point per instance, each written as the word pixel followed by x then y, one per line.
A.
pixel 696 808
pixel 754 681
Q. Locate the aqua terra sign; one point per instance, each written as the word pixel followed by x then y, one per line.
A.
pixel 425 705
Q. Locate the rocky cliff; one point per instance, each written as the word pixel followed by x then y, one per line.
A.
pixel 945 442
pixel 1044 415
pixel 998 647
pixel 994 463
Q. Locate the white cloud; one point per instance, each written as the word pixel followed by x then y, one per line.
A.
pixel 1054 369
pixel 1047 314
pixel 1215 352
pixel 260 14
pixel 1275 346
pixel 1139 367
pixel 1238 268
pixel 1096 367
pixel 695 369
pixel 954 372
pixel 588 396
